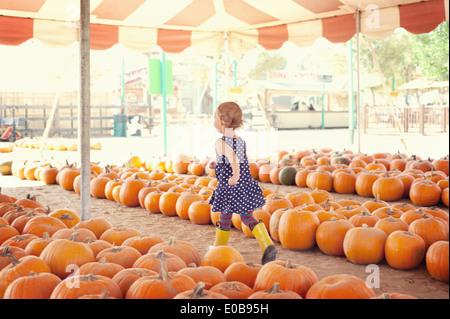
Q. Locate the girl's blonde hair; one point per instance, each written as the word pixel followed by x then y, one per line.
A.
pixel 231 115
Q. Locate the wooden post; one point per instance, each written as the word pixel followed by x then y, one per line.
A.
pixel 84 116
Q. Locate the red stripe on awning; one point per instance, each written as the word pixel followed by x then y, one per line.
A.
pixel 22 5
pixel 15 31
pixel 174 41
pixel 246 13
pixel 422 17
pixel 194 14
pixel 116 9
pixel 103 36
pixel 340 28
pixel 319 6
pixel 272 38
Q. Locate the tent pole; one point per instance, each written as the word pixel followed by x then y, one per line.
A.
pixel 351 96
pixel 358 76
pixel 164 97
pixel 84 116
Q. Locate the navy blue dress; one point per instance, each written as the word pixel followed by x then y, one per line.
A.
pixel 243 197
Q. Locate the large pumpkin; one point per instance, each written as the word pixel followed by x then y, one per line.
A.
pixel 39 225
pixel 125 256
pixel 85 285
pixel 66 177
pixel 275 202
pixel 425 193
pixel 20 288
pixel 180 163
pixel 243 272
pixel 364 245
pixel 209 275
pixel 431 229
pixel 126 277
pixel 233 290
pixel 275 293
pixel 199 292
pixel 117 235
pixel 163 286
pixel 292 277
pixel 340 286
pixel 187 251
pixel 184 202
pixel 364 183
pixel 404 250
pixel 388 188
pixel 437 260
pixel 66 255
pixel 297 229
pixel 330 236
pixel 221 257
pixel 20 268
pixel 129 191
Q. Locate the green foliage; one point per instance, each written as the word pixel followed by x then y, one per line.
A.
pixel 431 53
pixel 267 61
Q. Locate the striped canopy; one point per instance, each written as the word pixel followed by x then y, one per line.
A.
pixel 207 25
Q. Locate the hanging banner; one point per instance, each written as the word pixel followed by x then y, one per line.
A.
pixel 155 77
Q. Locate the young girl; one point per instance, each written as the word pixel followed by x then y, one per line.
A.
pixel 236 191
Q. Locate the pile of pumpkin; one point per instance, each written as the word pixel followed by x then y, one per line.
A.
pixel 52 254
pixel 52 144
pixel 365 233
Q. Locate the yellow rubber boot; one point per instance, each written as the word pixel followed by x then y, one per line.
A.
pixel 221 236
pixel 269 251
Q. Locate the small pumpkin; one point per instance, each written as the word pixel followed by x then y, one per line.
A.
pixel 209 275
pixel 342 286
pixel 221 257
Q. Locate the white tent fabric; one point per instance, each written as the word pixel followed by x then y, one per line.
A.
pixel 175 25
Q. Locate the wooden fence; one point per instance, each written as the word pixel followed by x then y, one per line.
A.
pixel 392 120
pixel 31 120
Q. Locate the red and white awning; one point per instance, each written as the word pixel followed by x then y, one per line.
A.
pixel 175 25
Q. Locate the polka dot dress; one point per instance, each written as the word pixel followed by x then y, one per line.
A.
pixel 243 197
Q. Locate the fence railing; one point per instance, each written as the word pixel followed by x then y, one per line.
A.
pixel 31 120
pixel 392 120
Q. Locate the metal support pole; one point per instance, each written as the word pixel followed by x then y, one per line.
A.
pixel 164 97
pixel 358 77
pixel 84 114
pixel 351 95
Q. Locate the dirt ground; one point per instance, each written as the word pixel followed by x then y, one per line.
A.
pixel 416 282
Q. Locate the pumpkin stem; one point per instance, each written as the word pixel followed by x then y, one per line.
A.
pixel 163 271
pixel 275 288
pixel 198 290
pixel 74 236
pixel 13 259
pixel 172 241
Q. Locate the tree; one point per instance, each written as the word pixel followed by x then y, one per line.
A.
pixel 430 53
pixel 267 61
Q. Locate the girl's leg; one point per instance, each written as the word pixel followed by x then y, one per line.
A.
pixel 249 220
pixel 225 221
pixel 269 252
pixel 223 229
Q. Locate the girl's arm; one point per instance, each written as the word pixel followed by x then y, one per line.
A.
pixel 223 148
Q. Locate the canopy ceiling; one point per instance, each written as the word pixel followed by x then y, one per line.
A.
pixel 175 25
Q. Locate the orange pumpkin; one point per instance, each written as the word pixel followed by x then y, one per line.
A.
pixel 330 236
pixel 129 191
pixel 364 245
pixel 404 250
pixel 184 202
pixel 297 229
pixel 221 257
pixel 437 260
pixel 340 286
